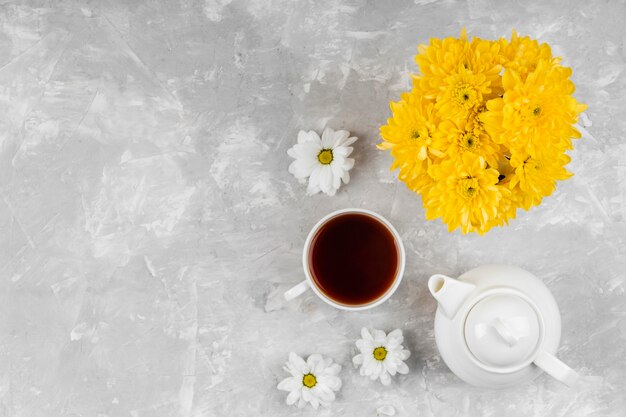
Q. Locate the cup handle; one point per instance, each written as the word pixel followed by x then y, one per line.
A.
pixel 557 369
pixel 297 290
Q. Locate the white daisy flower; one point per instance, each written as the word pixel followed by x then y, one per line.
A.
pixel 323 160
pixel 314 381
pixel 382 356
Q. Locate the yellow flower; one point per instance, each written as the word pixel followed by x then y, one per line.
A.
pixel 444 58
pixel 461 94
pixel 408 134
pixel 536 177
pixel 535 114
pixel 455 138
pixel 522 54
pixel 485 129
pixel 465 194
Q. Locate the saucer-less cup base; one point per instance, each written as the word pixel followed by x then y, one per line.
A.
pixel 309 283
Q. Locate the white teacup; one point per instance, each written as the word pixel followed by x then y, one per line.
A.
pixel 309 282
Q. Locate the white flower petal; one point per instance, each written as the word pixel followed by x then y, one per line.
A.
pixel 395 337
pixel 294 372
pixel 346 177
pixel 357 360
pixel 331 192
pixel 312 190
pixel 301 168
pixel 391 366
pixel 340 137
pixel 339 161
pixel 404 354
pixel 298 363
pixel 403 368
pixel 302 136
pixel 331 381
pixel 337 173
pixel 365 334
pixel 310 137
pixel 324 393
pixel 336 181
pixel 348 141
pixel 380 368
pixel 315 402
pixel 385 378
pixel 380 338
pixel 326 180
pixel 348 164
pixel 289 384
pixel 328 138
pixel 316 363
pixel 343 151
pixel 310 149
pixel 306 393
pixel 301 402
pixel 365 346
pixel 293 397
pixel 314 181
pixel 370 367
pixel 292 152
pixel 363 368
pixel 332 370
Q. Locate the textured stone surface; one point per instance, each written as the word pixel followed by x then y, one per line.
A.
pixel 148 224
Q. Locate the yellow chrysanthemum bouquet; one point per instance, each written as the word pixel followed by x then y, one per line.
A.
pixel 484 130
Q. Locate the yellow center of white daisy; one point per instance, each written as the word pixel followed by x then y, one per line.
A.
pixel 469 142
pixel 309 380
pixel 325 156
pixel 380 353
pixel 465 96
pixel 467 187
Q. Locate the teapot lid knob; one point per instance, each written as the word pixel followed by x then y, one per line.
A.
pixel 503 330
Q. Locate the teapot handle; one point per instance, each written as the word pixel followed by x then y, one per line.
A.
pixel 557 369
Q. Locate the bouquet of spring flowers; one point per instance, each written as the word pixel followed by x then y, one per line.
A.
pixel 484 130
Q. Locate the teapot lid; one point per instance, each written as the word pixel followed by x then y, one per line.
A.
pixel 503 330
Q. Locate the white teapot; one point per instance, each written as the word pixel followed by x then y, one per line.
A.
pixel 498 326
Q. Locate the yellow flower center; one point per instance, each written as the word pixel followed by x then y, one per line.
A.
pixel 325 156
pixel 380 353
pixel 469 142
pixel 415 135
pixel 309 380
pixel 532 164
pixel 465 96
pixel 467 187
pixel 537 111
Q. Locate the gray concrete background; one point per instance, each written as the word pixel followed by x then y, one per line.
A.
pixel 148 224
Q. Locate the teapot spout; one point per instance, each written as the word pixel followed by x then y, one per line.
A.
pixel 449 293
